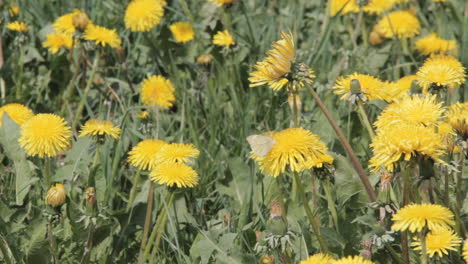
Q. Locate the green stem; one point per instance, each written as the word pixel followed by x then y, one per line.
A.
pixel 89 244
pixel 52 243
pixel 422 237
pixel 295 110
pixel 71 85
pixel 149 208
pixel 392 252
pixel 365 119
pixel 133 190
pixel 19 79
pixel 92 174
pixel 347 147
pixel 331 203
pixel 86 91
pixel 312 220
pixel 47 173
pixel 281 200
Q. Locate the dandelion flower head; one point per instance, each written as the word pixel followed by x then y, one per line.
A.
pixel 398 24
pixel 17 112
pixel 157 91
pixel 371 87
pixel 182 32
pixel 441 71
pixel 223 38
pixel 439 242
pixel 17 26
pixel 343 6
pixel 378 7
pixel 415 217
pixel 56 195
pixel 465 250
pixel 353 260
pixel 102 36
pixel 95 128
pixel 432 44
pixel 177 153
pixel 458 117
pixel 222 2
pixel 178 174
pixel 144 15
pixel 64 24
pixel 55 41
pixel 144 154
pixel 318 259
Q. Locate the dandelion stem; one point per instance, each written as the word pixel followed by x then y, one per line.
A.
pixel 312 220
pixel 133 190
pixel 365 119
pixel 149 208
pixel 47 173
pixel 281 200
pixel 344 142
pixel 52 242
pixel 422 238
pixel 70 87
pixel 162 225
pixel 19 79
pixel 331 202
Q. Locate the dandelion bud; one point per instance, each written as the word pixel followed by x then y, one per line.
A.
pixel 56 195
pixel 385 179
pixel 355 86
pixel 275 224
pixel 205 59
pixel 268 259
pixel 374 38
pixel 258 235
pixel 90 196
pixel 80 20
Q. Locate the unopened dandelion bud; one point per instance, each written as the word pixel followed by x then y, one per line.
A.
pixel 205 59
pixel 355 86
pixel 90 196
pixel 80 20
pixel 268 259
pixel 56 195
pixel 374 38
pixel 275 224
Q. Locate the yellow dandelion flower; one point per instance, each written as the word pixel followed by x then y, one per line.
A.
pixel 402 141
pixel 144 154
pixel 398 24
pixel 458 117
pixel 157 91
pixel 143 115
pixel 177 174
pixel 223 38
pixel 205 59
pixel 55 41
pixel 379 6
pixel 99 128
pixel 416 110
pixel 343 6
pixel 371 87
pixel 64 24
pixel 182 31
pixel 295 148
pixel 177 153
pixel 415 217
pixel 432 44
pixel 102 36
pixel 405 83
pixel 13 10
pixel 56 195
pixel 17 26
pixel 222 2
pixel 318 259
pixel 353 260
pixel 439 242
pixel 274 68
pixel 45 135
pixel 441 71
pixel 465 250
pixel 143 15
pixel 399 89
pixel 17 112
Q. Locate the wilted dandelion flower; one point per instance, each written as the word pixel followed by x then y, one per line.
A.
pixel 223 38
pixel 45 135
pixel 144 154
pixel 371 87
pixel 415 217
pixel 398 24
pixel 157 91
pixel 295 148
pixel 416 110
pixel 55 41
pixel 182 31
pixel 458 117
pixel 99 128
pixel 402 141
pixel 441 71
pixel 274 68
pixel 318 259
pixel 56 195
pixel 178 174
pixel 177 153
pixel 447 135
pixel 379 6
pixel 205 59
pixel 222 2
pixel 64 24
pixel 143 15
pixel 17 26
pixel 432 44
pixel 17 112
pixel 352 260
pixel 439 242
pixel 343 6
pixel 102 36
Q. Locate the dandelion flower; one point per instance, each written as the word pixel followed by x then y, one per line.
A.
pixel 17 26
pixel 414 217
pixel 295 148
pixel 378 7
pixel 178 174
pixel 205 59
pixel 102 36
pixel 465 250
pixel 56 195
pixel 45 135
pixel 222 2
pixel 144 154
pixel 432 44
pixel 55 41
pixel 458 117
pixel 13 10
pixel 343 6
pixel 371 87
pixel 157 91
pixel 352 260
pixel 441 71
pixel 182 31
pixel 64 24
pixel 318 259
pixel 417 110
pixel 143 115
pixel 402 141
pixel 223 38
pixel 143 15
pixel 99 128
pixel 17 112
pixel 398 24
pixel 399 89
pixel 177 153
pixel 274 68
pixel 439 242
